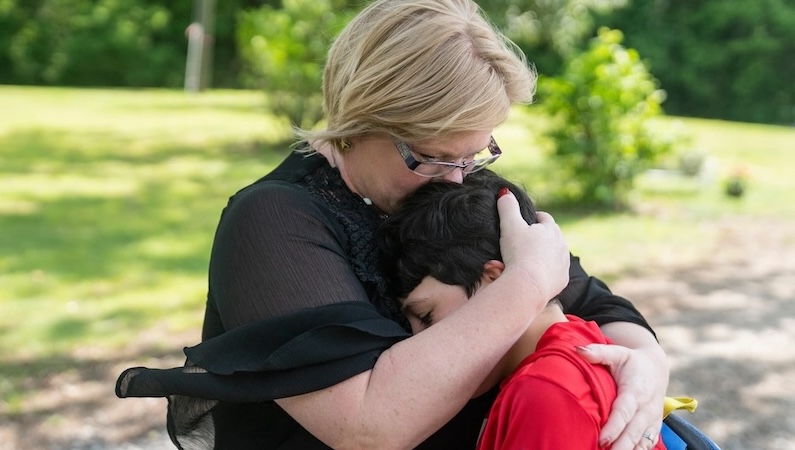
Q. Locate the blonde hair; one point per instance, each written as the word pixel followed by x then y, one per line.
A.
pixel 420 69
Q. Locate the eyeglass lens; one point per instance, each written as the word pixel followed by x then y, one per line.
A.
pixel 473 164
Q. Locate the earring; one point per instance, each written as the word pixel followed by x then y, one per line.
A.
pixel 345 145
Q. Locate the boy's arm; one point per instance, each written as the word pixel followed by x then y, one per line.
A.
pixel 540 415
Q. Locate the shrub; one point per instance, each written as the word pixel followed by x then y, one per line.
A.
pixel 601 107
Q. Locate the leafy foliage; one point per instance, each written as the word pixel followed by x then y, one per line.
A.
pixel 82 42
pixel 283 51
pixel 720 59
pixel 601 108
pixel 549 31
pixel 715 58
pixel 109 42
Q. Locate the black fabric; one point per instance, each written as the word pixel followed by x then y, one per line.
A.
pixel 296 303
pixel 590 299
pixel 274 358
pixel 277 235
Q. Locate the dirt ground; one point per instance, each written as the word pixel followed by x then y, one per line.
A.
pixel 728 326
pixel 727 323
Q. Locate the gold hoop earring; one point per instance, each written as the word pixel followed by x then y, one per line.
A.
pixel 345 145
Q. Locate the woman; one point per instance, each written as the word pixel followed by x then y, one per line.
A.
pixel 302 348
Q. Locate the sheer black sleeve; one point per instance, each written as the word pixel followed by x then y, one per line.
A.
pixel 275 252
pixel 590 299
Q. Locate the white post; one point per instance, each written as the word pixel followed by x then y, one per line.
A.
pixel 198 66
pixel 208 28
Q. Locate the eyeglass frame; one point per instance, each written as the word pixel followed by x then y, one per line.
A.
pixel 408 157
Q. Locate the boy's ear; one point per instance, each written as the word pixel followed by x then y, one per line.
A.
pixel 493 269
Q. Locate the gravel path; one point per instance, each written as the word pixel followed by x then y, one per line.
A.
pixel 727 323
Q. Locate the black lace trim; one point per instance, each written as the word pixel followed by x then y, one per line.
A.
pixel 359 221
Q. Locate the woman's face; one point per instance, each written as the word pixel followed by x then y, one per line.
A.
pixel 374 168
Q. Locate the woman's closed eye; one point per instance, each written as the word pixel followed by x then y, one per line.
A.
pixel 421 157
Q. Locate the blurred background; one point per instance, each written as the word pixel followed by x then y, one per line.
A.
pixel 661 139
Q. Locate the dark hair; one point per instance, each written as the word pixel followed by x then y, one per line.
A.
pixel 448 231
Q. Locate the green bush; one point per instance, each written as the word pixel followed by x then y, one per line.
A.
pixel 283 52
pixel 601 108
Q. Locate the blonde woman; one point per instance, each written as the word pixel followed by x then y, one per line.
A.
pixel 302 347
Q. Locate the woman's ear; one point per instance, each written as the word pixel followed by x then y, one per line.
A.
pixel 493 269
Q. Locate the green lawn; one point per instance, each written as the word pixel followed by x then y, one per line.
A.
pixel 109 200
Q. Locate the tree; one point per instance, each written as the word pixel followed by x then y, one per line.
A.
pixel 601 107
pixel 81 42
pixel 109 42
pixel 720 59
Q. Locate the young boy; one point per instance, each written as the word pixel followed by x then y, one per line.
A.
pixel 439 249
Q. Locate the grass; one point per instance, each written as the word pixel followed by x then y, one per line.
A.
pixel 109 200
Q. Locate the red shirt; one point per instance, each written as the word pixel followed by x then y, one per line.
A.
pixel 554 399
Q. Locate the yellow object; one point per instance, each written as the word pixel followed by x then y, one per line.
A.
pixel 676 403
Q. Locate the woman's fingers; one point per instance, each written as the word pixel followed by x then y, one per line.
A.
pixel 508 209
pixel 648 439
pixel 636 414
pixel 539 250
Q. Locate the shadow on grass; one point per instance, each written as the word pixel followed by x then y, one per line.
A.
pixel 92 222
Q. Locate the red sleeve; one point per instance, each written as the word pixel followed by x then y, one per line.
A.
pixel 539 415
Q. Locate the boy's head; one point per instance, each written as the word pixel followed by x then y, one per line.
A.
pixel 449 232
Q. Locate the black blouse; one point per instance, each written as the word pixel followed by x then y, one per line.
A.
pixel 297 303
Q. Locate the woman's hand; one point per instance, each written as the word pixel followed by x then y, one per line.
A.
pixel 538 250
pixel 641 375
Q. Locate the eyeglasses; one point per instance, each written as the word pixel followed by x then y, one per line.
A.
pixel 428 167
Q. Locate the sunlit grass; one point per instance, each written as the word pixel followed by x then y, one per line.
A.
pixel 108 202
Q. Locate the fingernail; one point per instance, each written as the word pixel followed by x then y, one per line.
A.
pixel 583 349
pixel 503 191
pixel 604 443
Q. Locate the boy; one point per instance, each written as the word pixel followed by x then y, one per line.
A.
pixel 439 249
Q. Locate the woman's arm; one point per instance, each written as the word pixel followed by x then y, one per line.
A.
pixel 419 384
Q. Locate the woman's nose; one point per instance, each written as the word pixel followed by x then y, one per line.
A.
pixel 456 176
